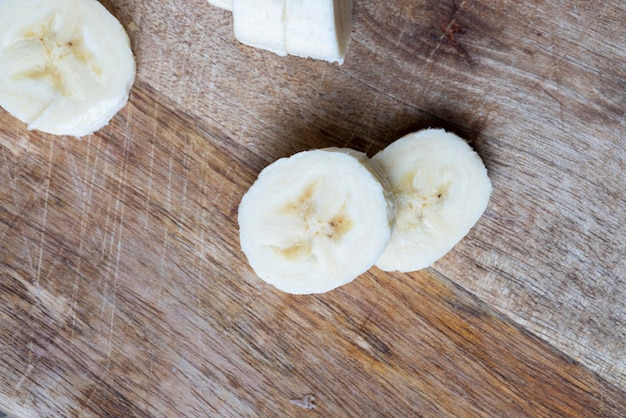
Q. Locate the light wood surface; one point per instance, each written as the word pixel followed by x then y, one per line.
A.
pixel 123 290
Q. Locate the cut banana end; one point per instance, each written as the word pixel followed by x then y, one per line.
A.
pixel 316 220
pixel 66 66
pixel 318 29
pixel 441 188
pixel 261 24
pixel 222 4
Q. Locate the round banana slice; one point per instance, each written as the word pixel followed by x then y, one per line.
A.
pixel 316 220
pixel 66 66
pixel 441 188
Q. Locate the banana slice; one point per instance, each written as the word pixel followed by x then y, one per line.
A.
pixel 318 29
pixel 316 220
pixel 441 188
pixel 66 66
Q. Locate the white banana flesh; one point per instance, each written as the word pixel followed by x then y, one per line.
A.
pixel 66 66
pixel 441 188
pixel 316 220
pixel 261 24
pixel 223 4
pixel 318 29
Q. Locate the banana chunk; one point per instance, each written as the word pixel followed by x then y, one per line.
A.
pixel 441 188
pixel 66 66
pixel 316 220
pixel 261 24
pixel 223 4
pixel 318 29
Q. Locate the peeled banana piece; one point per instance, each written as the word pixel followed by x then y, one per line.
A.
pixel 223 4
pixel 316 220
pixel 318 29
pixel 441 188
pixel 66 66
pixel 261 24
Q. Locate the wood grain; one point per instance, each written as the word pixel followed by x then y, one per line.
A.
pixel 155 313
pixel 123 291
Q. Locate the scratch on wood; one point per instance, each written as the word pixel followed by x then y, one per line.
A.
pixel 379 90
pixel 56 261
pixel 450 32
pixel 554 74
pixel 168 205
pixel 370 144
pixel 45 215
pixel 53 305
pixel 76 178
pixel 150 176
pixel 110 339
pixel 560 105
pixel 119 207
pixel 371 311
pixel 621 120
pixel 104 301
pixel 94 166
pixel 446 32
pixel 245 308
pixel 185 182
pixel 349 140
pixel 26 240
pixel 12 221
pixel 117 243
pixel 152 375
pixel 105 229
pixel 400 41
pixel 155 124
pixel 74 301
pixel 25 376
pixel 223 184
pixel 81 238
pixel 557 78
pixel 162 262
pixel 321 82
pixel 129 116
pixel 169 181
pixel 11 177
pixel 198 260
pixel 94 171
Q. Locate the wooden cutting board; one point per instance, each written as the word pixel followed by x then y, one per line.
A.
pixel 123 290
